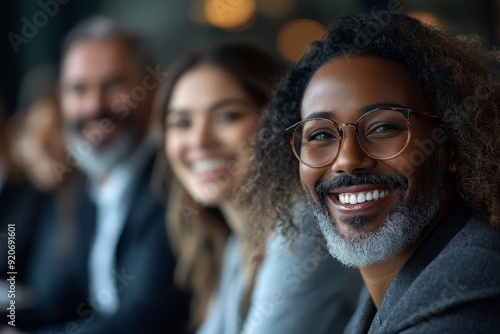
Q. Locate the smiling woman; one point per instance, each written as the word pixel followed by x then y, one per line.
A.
pixel 205 137
pixel 212 108
pixel 212 105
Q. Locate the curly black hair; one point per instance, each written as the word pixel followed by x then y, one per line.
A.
pixel 453 71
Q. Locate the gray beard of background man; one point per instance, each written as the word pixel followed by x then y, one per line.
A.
pixel 96 160
pixel 403 225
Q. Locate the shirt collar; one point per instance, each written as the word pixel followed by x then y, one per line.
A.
pixel 121 178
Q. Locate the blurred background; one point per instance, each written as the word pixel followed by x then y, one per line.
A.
pixel 32 30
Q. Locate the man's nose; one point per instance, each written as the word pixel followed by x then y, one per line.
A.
pixel 351 157
pixel 94 103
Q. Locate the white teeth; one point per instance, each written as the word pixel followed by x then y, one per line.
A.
pixel 353 199
pixel 208 165
pixel 369 196
pixel 362 197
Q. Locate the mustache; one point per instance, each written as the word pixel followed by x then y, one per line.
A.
pixel 395 180
pixel 77 125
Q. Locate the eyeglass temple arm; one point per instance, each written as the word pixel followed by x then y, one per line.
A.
pixel 426 113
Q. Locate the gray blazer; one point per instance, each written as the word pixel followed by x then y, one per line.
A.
pixel 450 285
pixel 299 288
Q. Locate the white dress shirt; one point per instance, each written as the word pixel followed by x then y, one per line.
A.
pixel 113 197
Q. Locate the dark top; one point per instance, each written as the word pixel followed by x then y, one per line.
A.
pixel 149 300
pixel 450 285
pixel 20 205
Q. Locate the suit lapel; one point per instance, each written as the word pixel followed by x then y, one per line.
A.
pixel 143 205
pixel 87 216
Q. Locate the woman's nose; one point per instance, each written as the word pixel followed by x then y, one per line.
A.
pixel 203 135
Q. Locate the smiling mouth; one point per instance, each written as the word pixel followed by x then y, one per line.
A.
pixel 361 197
pixel 208 166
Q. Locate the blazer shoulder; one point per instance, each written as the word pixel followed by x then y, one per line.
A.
pixel 461 278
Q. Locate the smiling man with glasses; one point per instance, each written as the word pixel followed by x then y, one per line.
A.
pixel 400 169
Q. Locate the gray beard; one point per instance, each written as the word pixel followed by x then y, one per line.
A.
pixel 96 161
pixel 402 227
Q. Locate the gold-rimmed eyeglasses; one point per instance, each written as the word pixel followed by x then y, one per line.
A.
pixel 383 133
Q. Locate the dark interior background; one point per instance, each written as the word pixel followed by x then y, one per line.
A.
pixel 174 27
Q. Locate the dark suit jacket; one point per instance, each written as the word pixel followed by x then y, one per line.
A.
pixel 149 301
pixel 21 205
pixel 450 285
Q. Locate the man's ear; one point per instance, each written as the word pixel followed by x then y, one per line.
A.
pixel 451 160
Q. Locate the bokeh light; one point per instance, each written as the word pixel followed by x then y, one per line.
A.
pixel 427 18
pixel 295 37
pixel 230 14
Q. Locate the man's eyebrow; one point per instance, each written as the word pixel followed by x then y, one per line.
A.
pixel 321 114
pixel 116 79
pixel 331 115
pixel 74 85
pixel 368 108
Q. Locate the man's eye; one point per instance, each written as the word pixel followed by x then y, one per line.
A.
pixel 384 130
pixel 78 89
pixel 115 85
pixel 322 137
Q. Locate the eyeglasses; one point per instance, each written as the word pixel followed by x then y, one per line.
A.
pixel 383 133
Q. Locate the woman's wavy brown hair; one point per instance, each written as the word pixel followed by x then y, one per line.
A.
pixel 454 71
pixel 198 234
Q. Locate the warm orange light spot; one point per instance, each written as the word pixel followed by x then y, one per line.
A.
pixel 275 8
pixel 427 18
pixel 295 37
pixel 229 14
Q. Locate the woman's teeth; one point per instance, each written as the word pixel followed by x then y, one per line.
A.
pixel 347 198
pixel 208 165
